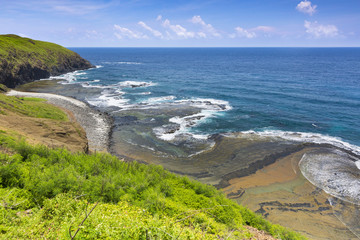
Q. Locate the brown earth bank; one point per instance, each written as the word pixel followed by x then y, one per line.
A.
pixel 52 133
pixel 259 235
pixel 97 125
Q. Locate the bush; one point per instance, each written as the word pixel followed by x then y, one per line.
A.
pixel 44 175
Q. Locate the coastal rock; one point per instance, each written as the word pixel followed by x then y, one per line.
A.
pixel 24 60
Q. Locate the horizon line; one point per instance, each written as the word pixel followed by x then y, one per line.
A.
pixel 233 47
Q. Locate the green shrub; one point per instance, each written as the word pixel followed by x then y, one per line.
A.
pixel 45 174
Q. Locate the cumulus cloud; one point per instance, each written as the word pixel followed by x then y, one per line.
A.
pixel 306 7
pixel 208 28
pixel 318 30
pixel 154 32
pixel 179 30
pixel 159 17
pixel 241 32
pixel 121 32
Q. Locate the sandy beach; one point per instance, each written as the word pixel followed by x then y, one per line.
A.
pixel 96 124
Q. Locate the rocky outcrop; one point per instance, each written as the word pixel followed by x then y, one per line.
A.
pixel 23 60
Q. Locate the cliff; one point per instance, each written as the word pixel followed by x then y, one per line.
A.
pixel 23 60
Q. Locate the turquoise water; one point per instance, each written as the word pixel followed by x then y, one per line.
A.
pixel 308 90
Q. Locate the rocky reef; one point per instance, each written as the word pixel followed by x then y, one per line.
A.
pixel 24 60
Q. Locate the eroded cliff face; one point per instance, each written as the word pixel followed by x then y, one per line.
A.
pixel 23 60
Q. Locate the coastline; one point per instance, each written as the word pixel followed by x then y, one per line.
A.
pixel 97 125
pixel 235 158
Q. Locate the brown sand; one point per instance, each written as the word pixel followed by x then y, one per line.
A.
pixel 284 170
pixel 281 194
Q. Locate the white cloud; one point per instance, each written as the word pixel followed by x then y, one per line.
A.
pixel 121 32
pixel 159 17
pixel 306 7
pixel 23 35
pixel 156 33
pixel 244 33
pixel 179 30
pixel 207 27
pixel 201 34
pixel 253 32
pixel 265 29
pixel 317 30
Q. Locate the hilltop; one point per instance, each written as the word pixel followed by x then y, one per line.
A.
pixel 24 60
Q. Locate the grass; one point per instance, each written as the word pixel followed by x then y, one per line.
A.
pixel 23 60
pixel 32 107
pixel 18 50
pixel 136 201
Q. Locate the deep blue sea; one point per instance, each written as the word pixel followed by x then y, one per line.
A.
pixel 271 90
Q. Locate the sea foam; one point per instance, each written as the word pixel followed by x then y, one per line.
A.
pixel 209 108
pixel 333 171
pixel 307 137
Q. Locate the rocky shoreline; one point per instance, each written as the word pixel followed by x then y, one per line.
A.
pixel 97 125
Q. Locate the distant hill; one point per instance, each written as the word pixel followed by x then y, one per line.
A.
pixel 24 60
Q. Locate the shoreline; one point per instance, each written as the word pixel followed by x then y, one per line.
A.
pixel 97 125
pixel 281 199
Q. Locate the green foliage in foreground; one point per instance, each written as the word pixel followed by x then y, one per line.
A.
pixel 107 221
pixel 136 200
pixel 32 107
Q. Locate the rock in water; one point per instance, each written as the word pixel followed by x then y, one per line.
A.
pixel 24 60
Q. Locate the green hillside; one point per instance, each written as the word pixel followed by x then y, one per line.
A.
pixel 47 193
pixel 23 60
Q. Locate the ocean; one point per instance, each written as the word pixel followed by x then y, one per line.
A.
pixel 180 107
pixel 308 90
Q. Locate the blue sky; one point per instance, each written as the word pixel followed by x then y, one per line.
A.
pixel 208 23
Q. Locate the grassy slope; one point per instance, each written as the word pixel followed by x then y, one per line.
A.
pixel 24 59
pixel 135 199
pixel 31 51
pixel 40 122
pixel 32 107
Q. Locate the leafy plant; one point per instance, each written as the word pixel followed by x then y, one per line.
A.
pixel 166 205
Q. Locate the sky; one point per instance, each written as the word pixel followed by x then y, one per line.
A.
pixel 175 23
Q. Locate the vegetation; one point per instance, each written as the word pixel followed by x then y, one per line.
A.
pixel 23 60
pixel 3 88
pixel 32 107
pixel 27 46
pixel 135 201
